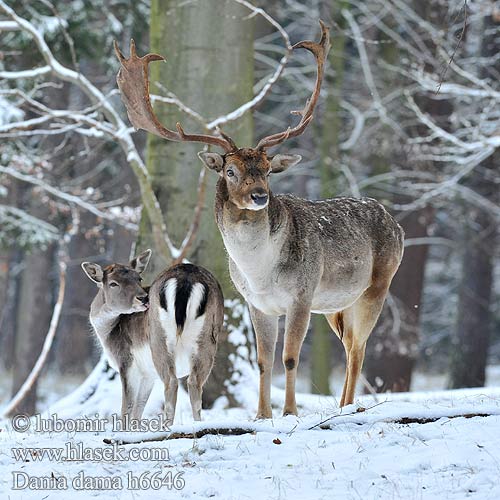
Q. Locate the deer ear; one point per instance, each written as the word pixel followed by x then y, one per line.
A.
pixel 140 262
pixel 279 163
pixel 213 161
pixel 93 271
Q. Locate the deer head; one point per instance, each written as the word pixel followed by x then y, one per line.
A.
pixel 245 170
pixel 121 285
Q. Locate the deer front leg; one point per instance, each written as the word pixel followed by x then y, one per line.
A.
pixel 127 395
pixel 141 397
pixel 266 333
pixel 297 321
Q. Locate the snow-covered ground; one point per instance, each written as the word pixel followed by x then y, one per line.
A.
pixel 361 454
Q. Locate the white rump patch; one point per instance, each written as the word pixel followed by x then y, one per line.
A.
pixel 184 346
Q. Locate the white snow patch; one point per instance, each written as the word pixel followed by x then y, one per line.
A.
pixel 9 113
pixel 362 455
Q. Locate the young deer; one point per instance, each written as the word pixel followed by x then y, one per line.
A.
pixel 169 330
pixel 288 256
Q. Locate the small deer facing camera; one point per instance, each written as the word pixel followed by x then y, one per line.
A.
pixel 169 330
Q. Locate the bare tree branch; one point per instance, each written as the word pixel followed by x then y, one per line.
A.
pixel 68 197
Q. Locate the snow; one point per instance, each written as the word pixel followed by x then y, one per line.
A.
pixel 8 112
pixel 363 452
pixel 49 25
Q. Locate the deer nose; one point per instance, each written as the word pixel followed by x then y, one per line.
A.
pixel 259 197
pixel 143 298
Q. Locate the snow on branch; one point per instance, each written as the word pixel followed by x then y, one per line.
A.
pixel 25 229
pixel 28 73
pixel 68 197
pixel 8 26
pixel 84 123
pixel 115 128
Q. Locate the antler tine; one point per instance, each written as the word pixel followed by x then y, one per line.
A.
pixel 320 51
pixel 133 82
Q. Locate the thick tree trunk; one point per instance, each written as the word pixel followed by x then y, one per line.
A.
pixel 209 50
pixel 34 310
pixel 331 125
pixel 11 262
pixel 74 343
pixel 392 347
pixel 470 347
pixel 471 344
pixel 10 269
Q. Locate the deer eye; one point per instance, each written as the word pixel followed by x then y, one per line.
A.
pixel 230 172
pixel 113 284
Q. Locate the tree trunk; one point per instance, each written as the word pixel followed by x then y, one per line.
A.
pixel 470 347
pixel 73 345
pixel 10 262
pixel 392 351
pixel 471 344
pixel 209 50
pixel 330 129
pixel 33 315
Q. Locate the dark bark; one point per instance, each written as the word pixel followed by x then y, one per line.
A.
pixel 470 349
pixel 74 343
pixel 471 344
pixel 10 259
pixel 34 311
pixel 391 353
pixel 8 319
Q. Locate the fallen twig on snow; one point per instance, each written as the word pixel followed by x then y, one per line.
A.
pixel 209 431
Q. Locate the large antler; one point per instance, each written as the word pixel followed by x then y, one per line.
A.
pixel 320 51
pixel 133 83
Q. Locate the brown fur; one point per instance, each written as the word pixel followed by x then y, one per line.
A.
pixel 295 256
pixel 134 339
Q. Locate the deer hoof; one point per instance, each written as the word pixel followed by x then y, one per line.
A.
pixel 263 415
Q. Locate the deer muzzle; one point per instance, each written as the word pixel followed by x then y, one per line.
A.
pixel 260 198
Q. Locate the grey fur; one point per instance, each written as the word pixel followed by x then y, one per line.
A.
pixel 134 338
pixel 294 256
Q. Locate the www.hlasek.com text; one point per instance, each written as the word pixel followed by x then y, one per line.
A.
pixel 77 452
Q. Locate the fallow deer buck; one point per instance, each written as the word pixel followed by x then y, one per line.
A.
pixel 169 330
pixel 287 255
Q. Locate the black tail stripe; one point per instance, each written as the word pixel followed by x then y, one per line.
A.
pixel 181 299
pixel 163 298
pixel 203 302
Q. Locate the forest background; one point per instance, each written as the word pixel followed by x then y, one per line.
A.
pixel 408 114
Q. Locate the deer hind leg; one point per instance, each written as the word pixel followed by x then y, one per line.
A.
pixel 341 324
pixel 353 326
pixel 165 367
pixel 201 366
